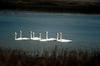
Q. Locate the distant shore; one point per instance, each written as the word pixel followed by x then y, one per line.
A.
pixel 53 7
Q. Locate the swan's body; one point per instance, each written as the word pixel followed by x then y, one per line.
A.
pixel 51 39
pixel 18 39
pixel 62 40
pixel 25 38
pixel 36 38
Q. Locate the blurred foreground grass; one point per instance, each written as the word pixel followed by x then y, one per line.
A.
pixel 79 57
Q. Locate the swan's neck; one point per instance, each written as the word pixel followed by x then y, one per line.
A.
pixel 40 36
pixel 60 36
pixel 46 35
pixel 57 36
pixel 20 34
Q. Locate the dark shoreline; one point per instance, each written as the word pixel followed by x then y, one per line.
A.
pixel 52 7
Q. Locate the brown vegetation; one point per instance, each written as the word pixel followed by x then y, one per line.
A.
pixel 65 58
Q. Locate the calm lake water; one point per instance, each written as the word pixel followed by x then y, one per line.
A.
pixel 83 30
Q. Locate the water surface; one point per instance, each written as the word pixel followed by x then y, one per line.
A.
pixel 83 30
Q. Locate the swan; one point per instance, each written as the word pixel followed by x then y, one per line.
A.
pixel 33 37
pixel 24 38
pixel 20 38
pixel 43 40
pixel 62 40
pixel 47 39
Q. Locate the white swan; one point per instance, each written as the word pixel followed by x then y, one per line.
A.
pixel 43 40
pixel 33 37
pixel 49 39
pixel 20 38
pixel 46 38
pixel 62 40
pixel 24 38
